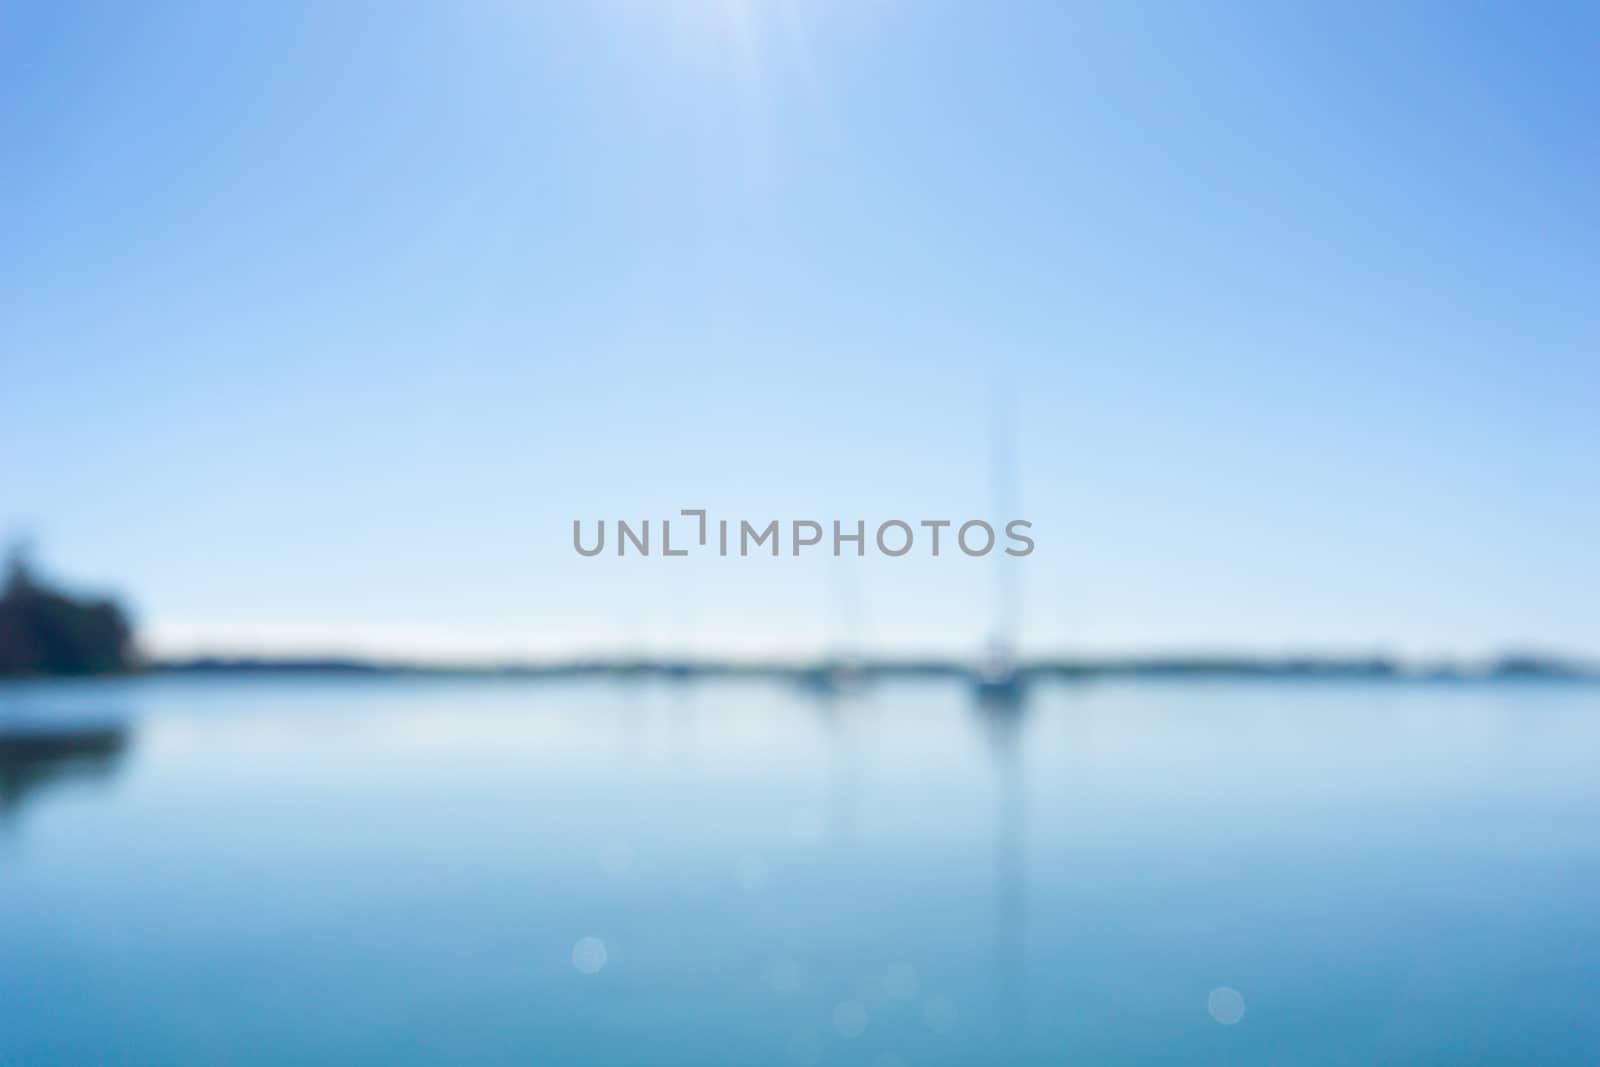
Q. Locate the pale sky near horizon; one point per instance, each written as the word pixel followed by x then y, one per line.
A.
pixel 320 323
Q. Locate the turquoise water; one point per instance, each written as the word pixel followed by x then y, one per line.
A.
pixel 349 871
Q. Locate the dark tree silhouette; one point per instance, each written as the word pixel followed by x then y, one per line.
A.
pixel 45 631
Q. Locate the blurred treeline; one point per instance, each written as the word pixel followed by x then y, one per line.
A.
pixel 46 631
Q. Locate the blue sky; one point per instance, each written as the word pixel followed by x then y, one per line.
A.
pixel 321 322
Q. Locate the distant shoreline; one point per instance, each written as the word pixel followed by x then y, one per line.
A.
pixel 1155 667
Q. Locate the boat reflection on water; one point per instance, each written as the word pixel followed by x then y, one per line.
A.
pixel 37 756
pixel 1000 703
pixel 833 692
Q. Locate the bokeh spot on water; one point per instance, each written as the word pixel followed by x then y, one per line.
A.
pixel 805 1046
pixel 850 1018
pixel 785 977
pixel 589 955
pixel 1226 1005
pixel 940 1015
pixel 901 981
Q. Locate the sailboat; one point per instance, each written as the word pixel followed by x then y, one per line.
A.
pixel 842 667
pixel 998 680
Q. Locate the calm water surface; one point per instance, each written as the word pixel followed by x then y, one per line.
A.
pixel 349 871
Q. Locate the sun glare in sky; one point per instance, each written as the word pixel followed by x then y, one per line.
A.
pixel 750 39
